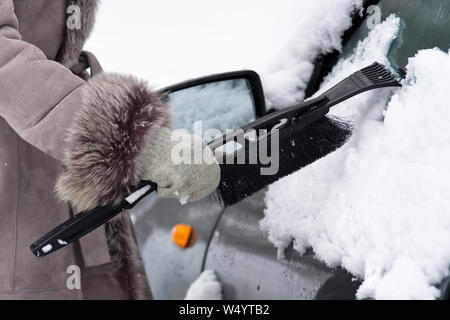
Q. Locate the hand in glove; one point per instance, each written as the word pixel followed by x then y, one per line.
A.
pixel 169 161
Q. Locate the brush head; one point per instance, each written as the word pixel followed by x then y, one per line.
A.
pixel 297 149
pixel 379 75
pixel 305 135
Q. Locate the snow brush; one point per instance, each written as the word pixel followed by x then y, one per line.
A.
pixel 305 135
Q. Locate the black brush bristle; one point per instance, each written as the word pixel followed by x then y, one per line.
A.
pixel 315 141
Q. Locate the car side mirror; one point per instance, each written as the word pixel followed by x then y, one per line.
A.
pixel 221 101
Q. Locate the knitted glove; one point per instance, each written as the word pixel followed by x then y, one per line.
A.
pixel 182 166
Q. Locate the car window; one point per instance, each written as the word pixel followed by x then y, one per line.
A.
pixel 424 24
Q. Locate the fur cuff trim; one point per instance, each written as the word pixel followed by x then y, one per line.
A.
pixel 118 114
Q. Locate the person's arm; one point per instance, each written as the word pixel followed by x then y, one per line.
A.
pixel 97 129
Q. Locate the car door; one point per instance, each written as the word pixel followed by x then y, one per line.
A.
pixel 249 267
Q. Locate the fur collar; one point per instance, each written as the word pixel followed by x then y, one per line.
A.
pixel 74 39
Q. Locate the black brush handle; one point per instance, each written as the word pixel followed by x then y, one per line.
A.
pixel 87 221
pixel 372 77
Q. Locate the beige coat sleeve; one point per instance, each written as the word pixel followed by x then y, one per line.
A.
pixel 95 128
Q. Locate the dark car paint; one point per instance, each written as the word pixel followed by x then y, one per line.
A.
pixel 247 264
pixel 171 269
pixel 245 261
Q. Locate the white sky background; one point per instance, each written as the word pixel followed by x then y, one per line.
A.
pixel 167 41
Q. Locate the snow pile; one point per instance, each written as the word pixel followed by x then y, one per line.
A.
pixel 323 24
pixel 206 287
pixel 379 206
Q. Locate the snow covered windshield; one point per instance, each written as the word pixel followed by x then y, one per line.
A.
pixel 423 25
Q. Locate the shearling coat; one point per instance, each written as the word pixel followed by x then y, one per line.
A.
pixel 50 119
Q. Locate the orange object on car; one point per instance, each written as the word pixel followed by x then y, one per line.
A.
pixel 182 234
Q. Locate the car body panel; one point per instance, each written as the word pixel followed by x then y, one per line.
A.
pixel 171 269
pixel 247 264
